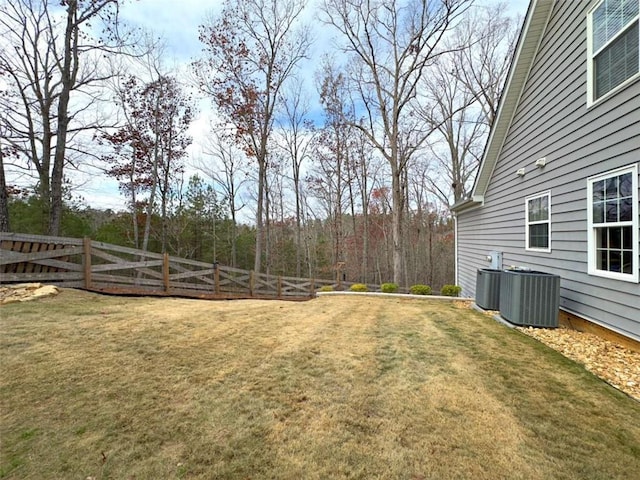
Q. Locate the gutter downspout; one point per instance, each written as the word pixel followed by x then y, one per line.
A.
pixel 455 248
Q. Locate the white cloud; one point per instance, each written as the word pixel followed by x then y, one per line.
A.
pixel 176 21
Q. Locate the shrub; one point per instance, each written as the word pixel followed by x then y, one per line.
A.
pixel 451 290
pixel 358 287
pixel 420 290
pixel 389 287
pixel 326 288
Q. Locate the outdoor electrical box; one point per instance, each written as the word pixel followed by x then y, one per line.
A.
pixel 495 260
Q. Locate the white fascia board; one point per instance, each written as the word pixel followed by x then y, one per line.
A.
pixel 532 32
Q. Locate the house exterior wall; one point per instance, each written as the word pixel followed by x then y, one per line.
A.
pixel 552 120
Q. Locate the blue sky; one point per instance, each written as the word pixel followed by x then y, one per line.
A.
pixel 177 22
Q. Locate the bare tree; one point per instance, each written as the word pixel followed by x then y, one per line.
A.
pixel 392 43
pixel 226 171
pixel 52 64
pixel 275 259
pixel 331 171
pixel 296 137
pixel 463 90
pixel 366 167
pixel 456 117
pixel 249 52
pixel 149 149
pixel 483 66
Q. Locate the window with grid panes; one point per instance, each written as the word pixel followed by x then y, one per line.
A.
pixel 613 221
pixel 614 52
pixel 538 222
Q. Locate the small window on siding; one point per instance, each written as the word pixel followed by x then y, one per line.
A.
pixel 538 221
pixel 613 224
pixel 613 44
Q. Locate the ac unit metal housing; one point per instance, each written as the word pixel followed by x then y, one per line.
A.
pixel 530 298
pixel 488 288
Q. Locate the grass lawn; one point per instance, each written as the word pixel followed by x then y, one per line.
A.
pixel 339 387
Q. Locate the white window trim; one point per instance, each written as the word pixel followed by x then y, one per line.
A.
pixel 526 221
pixel 591 233
pixel 590 60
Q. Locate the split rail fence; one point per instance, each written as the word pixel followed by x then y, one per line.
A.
pixel 103 267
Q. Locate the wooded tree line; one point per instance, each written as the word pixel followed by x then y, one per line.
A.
pixel 350 173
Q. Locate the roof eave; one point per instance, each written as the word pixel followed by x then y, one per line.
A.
pixel 467 204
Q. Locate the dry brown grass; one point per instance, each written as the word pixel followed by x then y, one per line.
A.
pixel 607 359
pixel 339 387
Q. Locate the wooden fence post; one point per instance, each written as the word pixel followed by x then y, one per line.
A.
pixel 279 286
pixel 251 283
pixel 165 271
pixel 312 288
pixel 87 262
pixel 216 278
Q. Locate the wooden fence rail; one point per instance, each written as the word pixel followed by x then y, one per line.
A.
pixel 107 268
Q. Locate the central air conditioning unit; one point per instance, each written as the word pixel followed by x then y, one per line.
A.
pixel 488 288
pixel 530 298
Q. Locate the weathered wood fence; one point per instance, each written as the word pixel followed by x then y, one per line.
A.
pixel 107 268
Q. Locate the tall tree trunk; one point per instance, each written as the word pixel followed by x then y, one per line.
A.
pixel 165 197
pixel 296 183
pixel 355 250
pixel 55 213
pixel 134 203
pixel 267 226
pixel 257 264
pixel 152 197
pixel 365 245
pixel 4 197
pixel 234 239
pixel 68 74
pixel 338 209
pixel 44 165
pixel 309 256
pixel 397 218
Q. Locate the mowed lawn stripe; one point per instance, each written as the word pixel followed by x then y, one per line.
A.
pixel 572 420
pixel 338 387
pixel 444 407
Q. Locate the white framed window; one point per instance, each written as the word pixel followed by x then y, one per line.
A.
pixel 613 39
pixel 613 224
pixel 538 222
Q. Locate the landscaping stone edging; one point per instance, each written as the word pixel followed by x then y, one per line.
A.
pixel 399 295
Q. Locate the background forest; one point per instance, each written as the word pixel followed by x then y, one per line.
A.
pixel 345 162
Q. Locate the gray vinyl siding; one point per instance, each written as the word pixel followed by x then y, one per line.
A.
pixel 552 120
